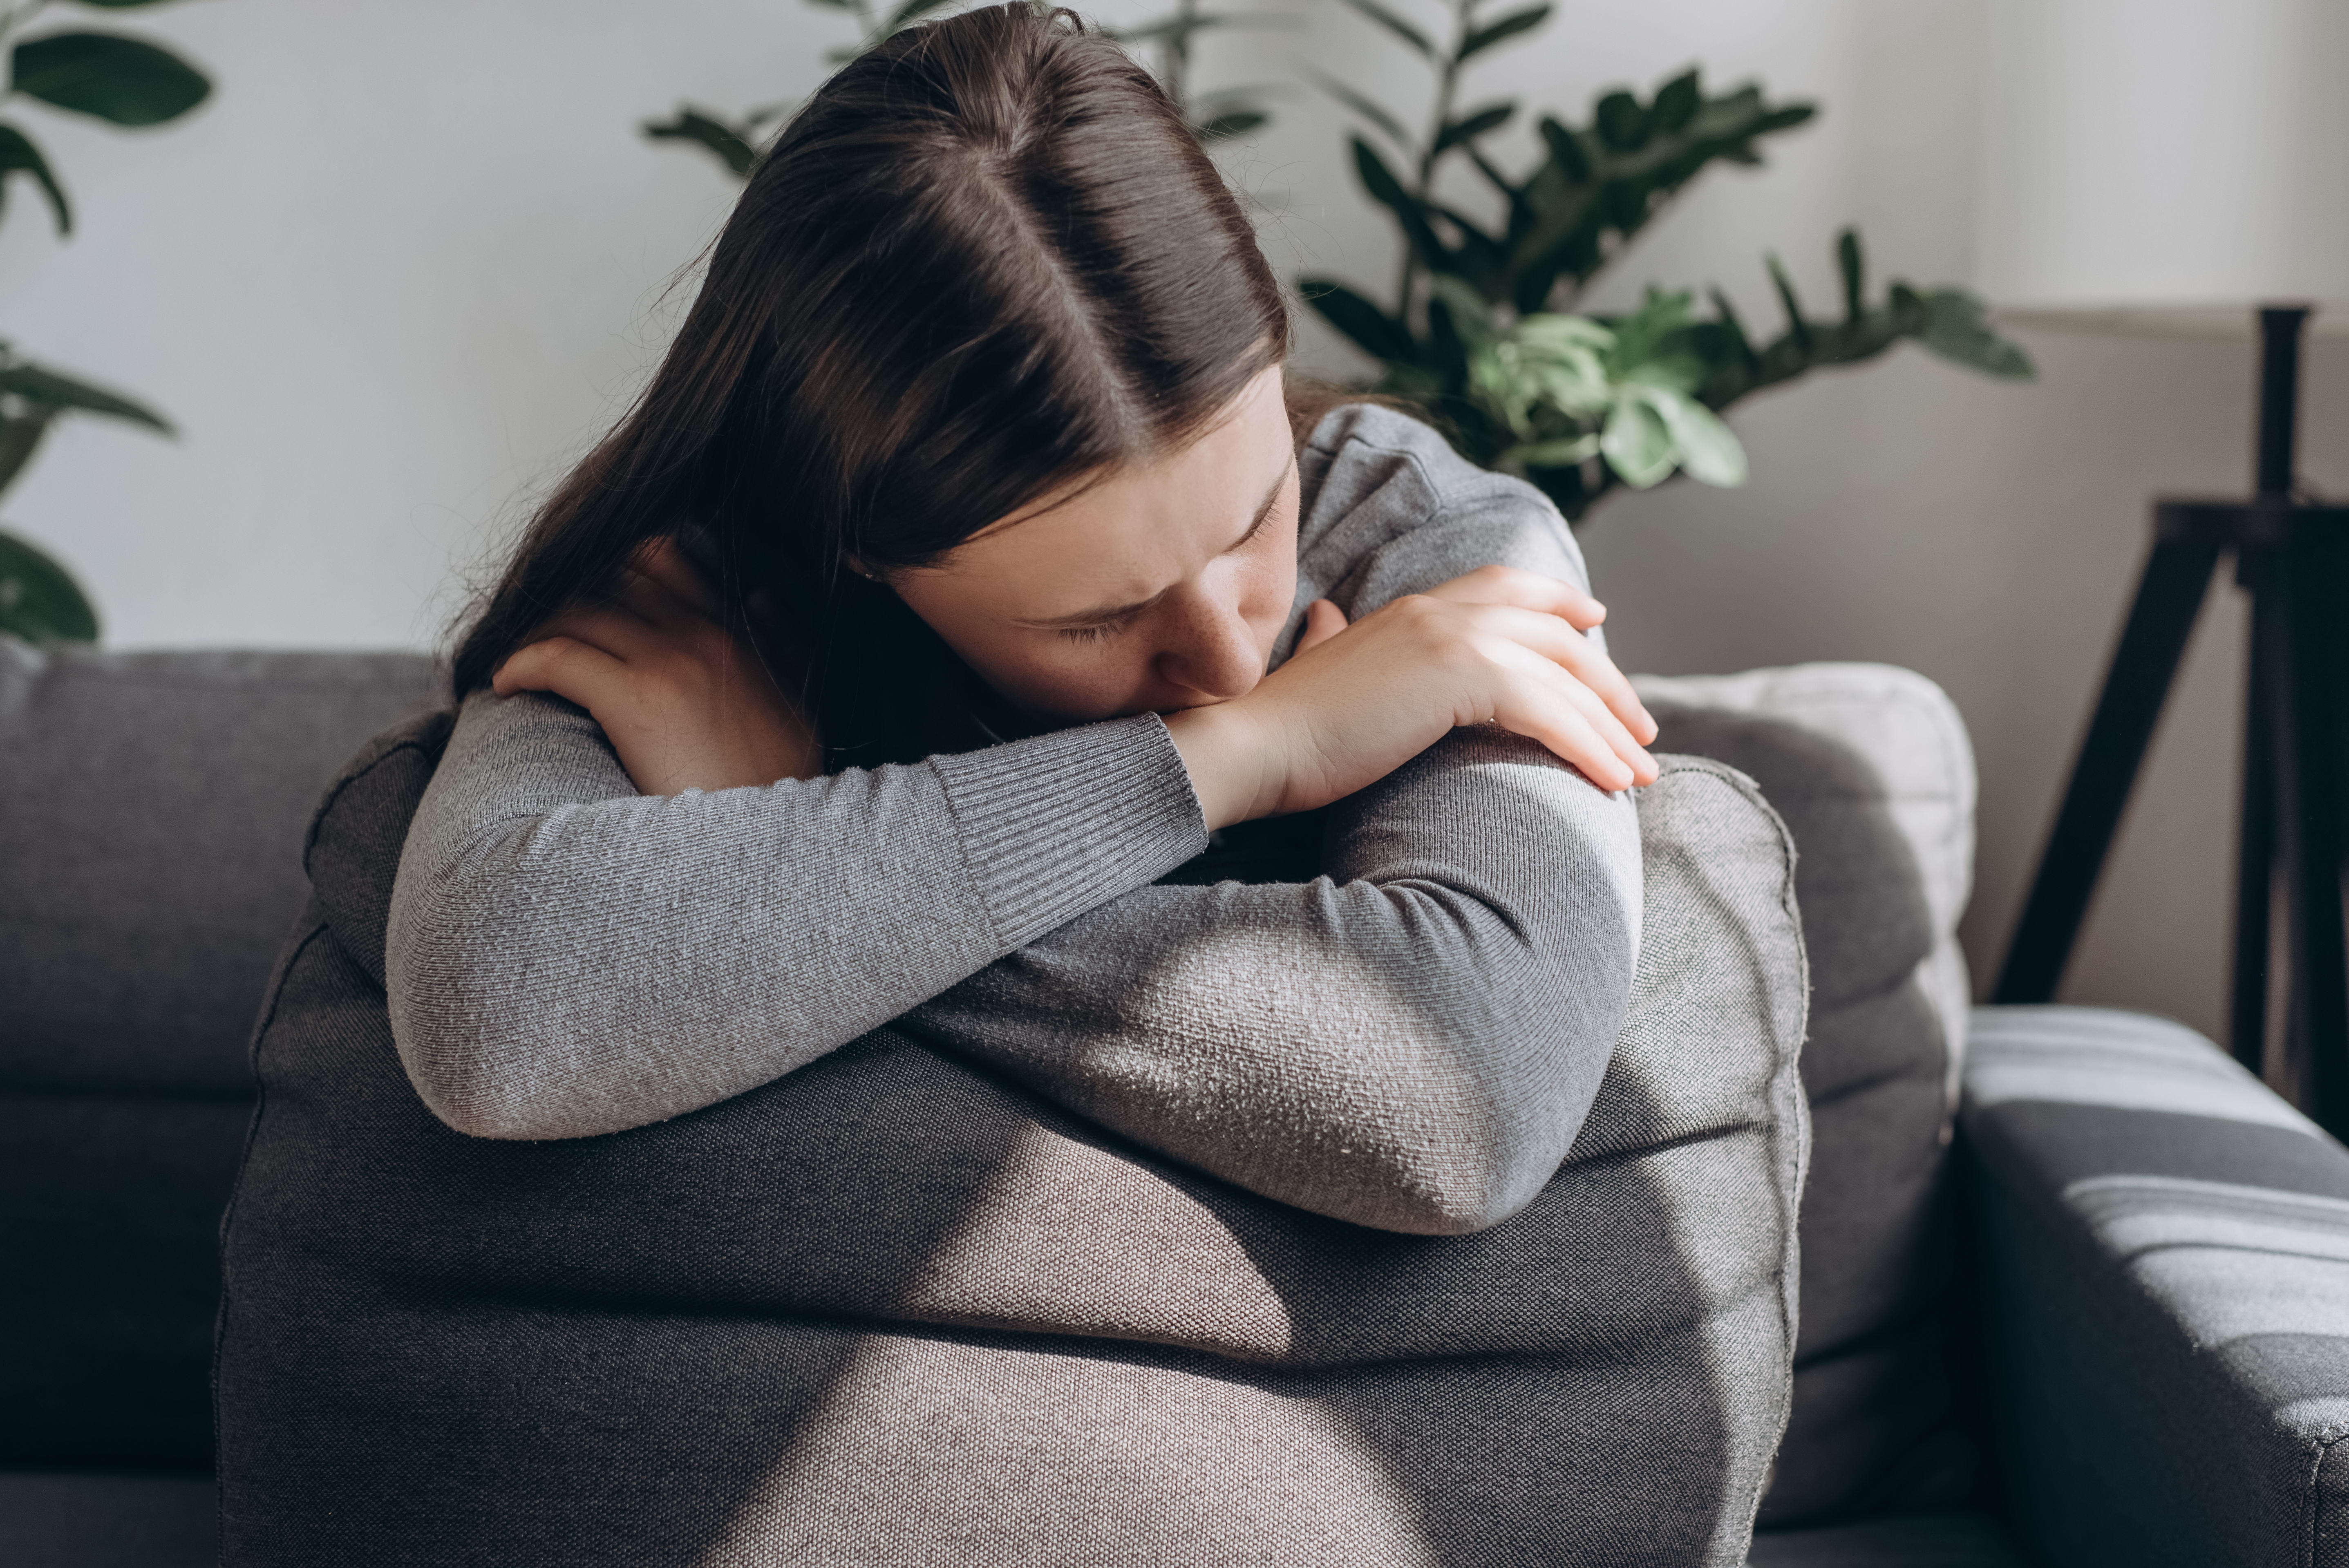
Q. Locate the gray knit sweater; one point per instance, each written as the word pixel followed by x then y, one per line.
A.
pixel 1408 1039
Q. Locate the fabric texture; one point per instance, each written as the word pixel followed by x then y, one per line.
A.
pixel 1870 769
pixel 2166 1258
pixel 898 1308
pixel 68 1520
pixel 1403 1031
pixel 1907 1540
pixel 151 828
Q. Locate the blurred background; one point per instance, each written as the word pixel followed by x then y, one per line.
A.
pixel 407 263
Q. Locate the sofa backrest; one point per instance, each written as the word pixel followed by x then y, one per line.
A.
pixel 1871 770
pixel 151 813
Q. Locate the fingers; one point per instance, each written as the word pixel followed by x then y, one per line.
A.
pixel 1530 711
pixel 1526 590
pixel 1323 621
pixel 572 670
pixel 1559 687
pixel 1544 634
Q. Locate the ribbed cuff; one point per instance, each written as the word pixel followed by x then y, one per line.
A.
pixel 1062 824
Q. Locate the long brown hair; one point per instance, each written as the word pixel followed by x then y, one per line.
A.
pixel 987 259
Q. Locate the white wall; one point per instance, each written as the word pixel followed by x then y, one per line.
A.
pixel 411 258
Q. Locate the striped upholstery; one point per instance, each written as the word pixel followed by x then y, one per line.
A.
pixel 2166 1252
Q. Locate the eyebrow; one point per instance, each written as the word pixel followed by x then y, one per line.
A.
pixel 1119 611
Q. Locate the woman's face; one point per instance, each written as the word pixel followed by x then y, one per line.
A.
pixel 1161 587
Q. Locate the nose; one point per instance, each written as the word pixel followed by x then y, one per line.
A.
pixel 1211 650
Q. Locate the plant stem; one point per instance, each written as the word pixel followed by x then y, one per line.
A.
pixel 1447 87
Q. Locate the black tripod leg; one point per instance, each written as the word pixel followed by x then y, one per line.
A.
pixel 2310 763
pixel 2168 595
pixel 2255 858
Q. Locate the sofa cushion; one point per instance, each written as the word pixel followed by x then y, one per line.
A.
pixel 896 1308
pixel 50 1520
pixel 151 834
pixel 151 819
pixel 1870 768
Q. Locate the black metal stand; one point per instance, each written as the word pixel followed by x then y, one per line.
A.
pixel 2293 560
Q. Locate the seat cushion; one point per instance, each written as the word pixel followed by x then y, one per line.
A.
pixel 894 1308
pixel 1870 769
pixel 53 1519
pixel 152 812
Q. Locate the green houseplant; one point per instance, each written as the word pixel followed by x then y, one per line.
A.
pixel 1481 331
pixel 124 81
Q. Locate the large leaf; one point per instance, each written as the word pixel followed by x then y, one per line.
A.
pixel 39 600
pixel 1707 450
pixel 125 80
pixel 1637 444
pixel 19 156
pixel 1376 333
pixel 727 143
pixel 1508 28
pixel 48 390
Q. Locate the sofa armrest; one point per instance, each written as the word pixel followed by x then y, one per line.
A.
pixel 2165 1247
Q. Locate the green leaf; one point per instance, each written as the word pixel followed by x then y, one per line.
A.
pixel 1393 23
pixel 48 390
pixel 1469 127
pixel 19 439
pixel 1224 127
pixel 1854 268
pixel 727 143
pixel 19 156
pixel 120 79
pixel 1508 28
pixel 1621 123
pixel 1472 317
pixel 1408 211
pixel 1566 151
pixel 1954 329
pixel 1376 333
pixel 1365 108
pixel 1798 329
pixel 1637 444
pixel 39 600
pixel 1676 102
pixel 1708 450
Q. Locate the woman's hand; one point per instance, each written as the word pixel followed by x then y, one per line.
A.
pixel 1497 646
pixel 687 704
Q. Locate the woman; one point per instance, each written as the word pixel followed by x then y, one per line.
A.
pixel 917 623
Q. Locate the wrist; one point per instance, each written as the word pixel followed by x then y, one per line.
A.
pixel 1224 751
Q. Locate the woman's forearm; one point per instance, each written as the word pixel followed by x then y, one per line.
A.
pixel 1410 1042
pixel 567 957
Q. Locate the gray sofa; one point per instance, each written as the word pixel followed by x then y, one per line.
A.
pixel 2109 1322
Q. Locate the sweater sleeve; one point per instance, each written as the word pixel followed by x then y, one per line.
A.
pixel 566 957
pixel 1411 1039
